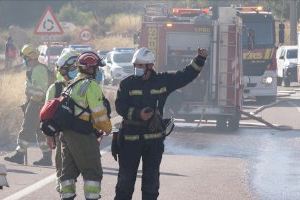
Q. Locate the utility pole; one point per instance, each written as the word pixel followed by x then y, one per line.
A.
pixel 293 22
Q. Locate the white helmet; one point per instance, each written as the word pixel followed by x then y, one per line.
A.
pixel 143 56
pixel 67 59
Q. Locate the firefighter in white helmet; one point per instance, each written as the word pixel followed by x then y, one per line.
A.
pixel 67 69
pixel 140 101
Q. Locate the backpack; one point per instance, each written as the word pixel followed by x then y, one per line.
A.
pixel 59 86
pixel 58 114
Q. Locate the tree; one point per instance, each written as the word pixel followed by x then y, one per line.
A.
pixel 25 13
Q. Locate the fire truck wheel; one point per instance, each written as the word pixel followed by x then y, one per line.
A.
pixel 221 123
pixel 279 81
pixel 262 100
pixel 234 123
pixel 287 82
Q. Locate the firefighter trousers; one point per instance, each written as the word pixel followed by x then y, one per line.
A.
pixel 30 130
pixel 58 160
pixel 131 152
pixel 80 155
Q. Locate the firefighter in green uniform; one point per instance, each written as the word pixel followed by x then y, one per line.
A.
pixel 68 71
pixel 80 149
pixel 36 87
pixel 140 101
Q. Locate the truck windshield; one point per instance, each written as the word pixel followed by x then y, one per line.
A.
pixel 263 32
pixel 292 54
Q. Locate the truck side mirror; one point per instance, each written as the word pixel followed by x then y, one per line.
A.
pixel 281 33
pixel 215 12
pixel 250 39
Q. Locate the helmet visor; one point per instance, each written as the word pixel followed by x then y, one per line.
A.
pixel 61 63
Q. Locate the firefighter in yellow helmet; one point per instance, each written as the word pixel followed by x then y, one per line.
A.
pixel 35 90
pixel 80 148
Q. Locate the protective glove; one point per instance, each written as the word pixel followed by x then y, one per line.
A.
pixel 156 123
pixel 115 146
pixel 201 57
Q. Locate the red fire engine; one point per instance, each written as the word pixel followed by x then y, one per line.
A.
pixel 174 37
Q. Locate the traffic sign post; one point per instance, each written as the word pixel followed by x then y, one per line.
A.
pixel 48 24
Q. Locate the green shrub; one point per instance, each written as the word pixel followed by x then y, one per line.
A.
pixel 123 22
pixel 72 14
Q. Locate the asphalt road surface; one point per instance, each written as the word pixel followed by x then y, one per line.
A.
pixel 255 162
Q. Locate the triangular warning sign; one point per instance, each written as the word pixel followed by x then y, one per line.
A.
pixel 48 24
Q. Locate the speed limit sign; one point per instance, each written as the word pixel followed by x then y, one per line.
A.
pixel 85 35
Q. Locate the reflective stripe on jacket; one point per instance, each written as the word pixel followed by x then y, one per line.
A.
pixel 88 94
pixel 37 86
pixel 134 93
pixel 52 91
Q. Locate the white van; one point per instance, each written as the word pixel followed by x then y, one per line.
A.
pixel 286 57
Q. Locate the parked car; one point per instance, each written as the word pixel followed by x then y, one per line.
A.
pixel 123 49
pixel 102 53
pixel 81 47
pixel 49 54
pixel 118 66
pixel 286 57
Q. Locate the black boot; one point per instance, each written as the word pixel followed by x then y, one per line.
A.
pixel 18 157
pixel 46 160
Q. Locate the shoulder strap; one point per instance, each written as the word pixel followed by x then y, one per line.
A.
pixel 67 90
pixel 58 88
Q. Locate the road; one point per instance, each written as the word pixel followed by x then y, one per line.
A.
pixel 255 162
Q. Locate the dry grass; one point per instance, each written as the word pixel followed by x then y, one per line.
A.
pixel 124 22
pixel 11 97
pixel 107 43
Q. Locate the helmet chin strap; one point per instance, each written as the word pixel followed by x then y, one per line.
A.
pixel 94 73
pixel 146 76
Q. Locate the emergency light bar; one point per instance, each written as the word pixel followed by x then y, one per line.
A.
pixel 256 9
pixel 180 12
pixel 169 25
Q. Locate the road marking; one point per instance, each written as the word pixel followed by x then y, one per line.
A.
pixel 32 188
pixel 287 91
pixel 40 184
pixel 295 105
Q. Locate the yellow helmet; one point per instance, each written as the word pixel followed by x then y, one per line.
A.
pixel 30 52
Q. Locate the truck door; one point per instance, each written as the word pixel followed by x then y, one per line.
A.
pixel 181 47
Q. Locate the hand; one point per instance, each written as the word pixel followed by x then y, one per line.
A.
pixel 99 139
pixel 146 113
pixel 51 142
pixel 202 52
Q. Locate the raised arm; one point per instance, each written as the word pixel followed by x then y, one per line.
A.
pixel 182 77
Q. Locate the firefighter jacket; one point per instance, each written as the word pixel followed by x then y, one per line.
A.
pixel 37 83
pixel 88 94
pixel 53 92
pixel 134 93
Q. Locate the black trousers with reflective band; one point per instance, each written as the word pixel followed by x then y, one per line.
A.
pixel 130 155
